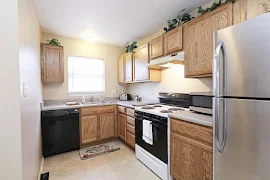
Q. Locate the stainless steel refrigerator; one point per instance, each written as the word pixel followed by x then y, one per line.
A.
pixel 241 75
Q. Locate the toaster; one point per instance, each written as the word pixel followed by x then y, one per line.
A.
pixel 125 97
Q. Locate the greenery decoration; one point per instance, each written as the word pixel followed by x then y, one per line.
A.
pixel 54 42
pixel 131 47
pixel 178 21
pixel 216 4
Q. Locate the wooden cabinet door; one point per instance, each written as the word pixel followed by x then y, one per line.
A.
pixel 121 69
pixel 255 8
pixel 128 67
pixel 190 159
pixel 173 40
pixel 156 47
pixel 106 125
pixel 89 129
pixel 122 126
pixel 141 59
pixel 199 40
pixel 52 63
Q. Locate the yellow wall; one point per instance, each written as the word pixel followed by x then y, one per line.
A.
pixel 77 47
pixel 29 59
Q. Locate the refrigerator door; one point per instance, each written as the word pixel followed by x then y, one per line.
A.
pixel 242 59
pixel 242 139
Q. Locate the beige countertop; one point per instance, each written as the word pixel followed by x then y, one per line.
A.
pixel 130 104
pixel 191 116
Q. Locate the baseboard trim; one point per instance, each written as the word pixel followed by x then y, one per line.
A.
pixel 41 168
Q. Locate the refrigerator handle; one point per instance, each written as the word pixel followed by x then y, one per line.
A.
pixel 218 72
pixel 220 124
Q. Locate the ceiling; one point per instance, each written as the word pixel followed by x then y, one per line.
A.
pixel 113 22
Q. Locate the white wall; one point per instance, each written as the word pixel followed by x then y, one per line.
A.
pixel 172 81
pixel 77 47
pixel 29 58
pixel 10 121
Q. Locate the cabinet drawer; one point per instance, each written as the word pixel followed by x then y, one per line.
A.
pixel 131 129
pixel 122 109
pixel 130 112
pixel 131 139
pixel 96 110
pixel 196 131
pixel 131 121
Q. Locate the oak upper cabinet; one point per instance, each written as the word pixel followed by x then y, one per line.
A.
pixel 199 40
pixel 128 67
pixel 173 40
pixel 89 129
pixel 106 125
pixel 141 59
pixel 156 47
pixel 122 126
pixel 52 64
pixel 121 69
pixel 191 151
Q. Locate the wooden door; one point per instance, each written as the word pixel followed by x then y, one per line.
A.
pixel 199 40
pixel 128 67
pixel 173 40
pixel 106 125
pixel 121 69
pixel 141 59
pixel 122 126
pixel 52 63
pixel 156 47
pixel 190 159
pixel 89 129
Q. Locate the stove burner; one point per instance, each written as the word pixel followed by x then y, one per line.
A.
pixel 176 109
pixel 147 107
pixel 165 111
pixel 157 105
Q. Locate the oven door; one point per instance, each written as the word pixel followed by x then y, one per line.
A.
pixel 160 142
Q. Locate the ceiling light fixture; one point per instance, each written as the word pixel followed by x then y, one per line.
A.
pixel 91 39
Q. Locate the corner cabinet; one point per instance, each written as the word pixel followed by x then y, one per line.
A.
pixel 121 69
pixel 199 40
pixel 52 64
pixel 173 40
pixel 128 67
pixel 156 47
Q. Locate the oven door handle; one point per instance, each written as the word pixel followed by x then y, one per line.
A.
pixel 158 125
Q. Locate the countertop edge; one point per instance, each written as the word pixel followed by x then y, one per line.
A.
pixel 189 119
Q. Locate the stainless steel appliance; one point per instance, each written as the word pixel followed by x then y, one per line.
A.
pixel 60 131
pixel 125 97
pixel 156 156
pixel 201 102
pixel 242 101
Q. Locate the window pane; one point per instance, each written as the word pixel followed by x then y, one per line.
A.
pixel 86 75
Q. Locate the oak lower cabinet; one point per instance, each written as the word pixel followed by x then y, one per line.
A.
pixel 191 155
pixel 96 124
pixel 52 64
pixel 126 125
pixel 122 126
pixel 173 40
pixel 199 40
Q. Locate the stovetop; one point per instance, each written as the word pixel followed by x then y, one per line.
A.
pixel 160 109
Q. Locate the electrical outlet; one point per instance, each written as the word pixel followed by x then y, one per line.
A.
pixel 114 92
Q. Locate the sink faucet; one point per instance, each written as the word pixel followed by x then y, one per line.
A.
pixel 91 98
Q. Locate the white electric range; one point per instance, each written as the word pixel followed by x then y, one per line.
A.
pixel 156 155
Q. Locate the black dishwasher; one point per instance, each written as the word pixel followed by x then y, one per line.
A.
pixel 60 131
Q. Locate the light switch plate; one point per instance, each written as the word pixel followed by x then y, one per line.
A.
pixel 114 92
pixel 25 89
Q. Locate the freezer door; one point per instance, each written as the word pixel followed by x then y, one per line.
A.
pixel 242 59
pixel 242 139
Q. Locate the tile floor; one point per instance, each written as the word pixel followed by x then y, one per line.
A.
pixel 119 165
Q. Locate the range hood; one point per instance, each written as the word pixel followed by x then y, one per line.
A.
pixel 167 61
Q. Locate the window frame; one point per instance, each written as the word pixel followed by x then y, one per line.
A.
pixel 80 93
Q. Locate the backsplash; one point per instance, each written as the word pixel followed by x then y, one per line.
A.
pixel 173 80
